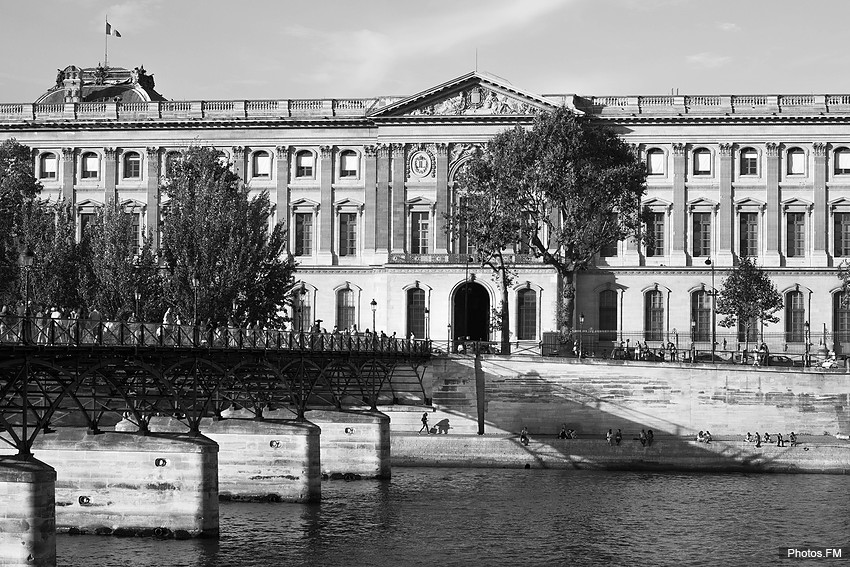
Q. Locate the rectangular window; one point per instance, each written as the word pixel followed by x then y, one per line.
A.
pixel 701 313
pixel 303 234
pixel 419 229
pixel 654 316
pixel 749 162
pixel 304 164
pixel 796 235
pixel 655 162
pixel 702 162
pixel 348 165
pixel 749 235
pixel 133 166
pixel 49 165
pixel 527 315
pixel 795 317
pixel 702 234
pixel 90 166
pixel 656 231
pixel 133 224
pixel 263 165
pixel 348 234
pixel 842 162
pixel 841 234
pixel 85 220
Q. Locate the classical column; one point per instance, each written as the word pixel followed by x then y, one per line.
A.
pixel 280 197
pixel 725 219
pixel 774 213
pixel 678 257
pixel 326 213
pixel 110 174
pixel 398 216
pixel 370 171
pixel 152 192
pixel 239 162
pixel 382 204
pixel 442 204
pixel 819 218
pixel 68 169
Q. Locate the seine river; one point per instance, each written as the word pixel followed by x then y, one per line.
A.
pixel 512 517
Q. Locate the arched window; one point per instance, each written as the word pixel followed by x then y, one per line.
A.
pixel 749 162
pixel 302 311
pixel 48 165
pixel 701 315
pixel 304 164
pixel 653 325
pixel 416 312
pixel 89 165
pixel 345 311
pixel 608 315
pixel 796 162
pixel 840 321
pixel 526 314
pixel 702 162
pixel 842 161
pixel 348 164
pixel 795 317
pixel 132 165
pixel 261 165
pixel 655 162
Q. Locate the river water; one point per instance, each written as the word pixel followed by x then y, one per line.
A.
pixel 440 517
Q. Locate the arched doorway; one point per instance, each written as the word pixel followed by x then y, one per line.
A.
pixel 471 312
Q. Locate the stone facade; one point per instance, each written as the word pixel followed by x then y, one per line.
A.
pixel 363 185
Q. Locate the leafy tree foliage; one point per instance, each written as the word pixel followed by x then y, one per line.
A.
pixel 218 245
pixel 746 295
pixel 564 188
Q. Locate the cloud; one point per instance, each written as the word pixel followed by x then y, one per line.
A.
pixel 361 58
pixel 708 59
pixel 728 27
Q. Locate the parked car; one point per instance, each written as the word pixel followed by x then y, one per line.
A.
pixel 781 360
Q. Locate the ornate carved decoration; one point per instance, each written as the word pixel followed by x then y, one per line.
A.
pixel 238 152
pixel 461 151
pixel 326 151
pixel 152 151
pixel 383 150
pixel 109 153
pixel 819 149
pixel 679 149
pixel 420 161
pixel 771 149
pixel 281 152
pixel 726 150
pixel 398 149
pixel 68 153
pixel 370 151
pixel 476 100
pixel 441 149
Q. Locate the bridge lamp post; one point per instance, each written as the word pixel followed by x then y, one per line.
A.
pixel 806 327
pixel 26 259
pixel 427 323
pixel 194 300
pixel 580 337
pixel 708 262
pixel 138 295
pixel 302 298
pixel 374 305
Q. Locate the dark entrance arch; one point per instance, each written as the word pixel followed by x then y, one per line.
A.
pixel 471 312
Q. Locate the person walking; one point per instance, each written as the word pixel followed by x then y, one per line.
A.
pixel 618 436
pixel 610 437
pixel 642 437
pixel 424 424
pixel 649 437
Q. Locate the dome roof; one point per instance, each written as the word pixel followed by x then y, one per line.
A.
pixel 99 84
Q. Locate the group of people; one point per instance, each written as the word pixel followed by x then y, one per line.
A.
pixel 767 438
pixel 704 436
pixel 567 433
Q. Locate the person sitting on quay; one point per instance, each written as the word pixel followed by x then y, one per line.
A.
pixel 758 439
pixel 563 433
pixel 707 436
pixel 523 436
pixel 780 442
pixel 610 437
pixel 700 437
pixel 767 437
pixel 793 439
pixel 642 437
pixel 749 437
pixel 572 434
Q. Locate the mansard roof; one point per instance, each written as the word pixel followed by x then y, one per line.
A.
pixel 101 84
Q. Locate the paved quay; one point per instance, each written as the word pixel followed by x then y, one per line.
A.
pixel 813 454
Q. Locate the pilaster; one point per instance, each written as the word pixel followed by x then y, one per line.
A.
pixel 678 257
pixel 398 199
pixel 774 213
pixel 725 219
pixel 370 170
pixel 382 204
pixel 280 198
pixel 442 204
pixel 819 217
pixel 152 192
pixel 110 175
pixel 68 170
pixel 325 252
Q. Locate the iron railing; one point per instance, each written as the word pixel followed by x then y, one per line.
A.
pixel 36 331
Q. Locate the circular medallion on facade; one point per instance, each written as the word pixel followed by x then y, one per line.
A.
pixel 420 164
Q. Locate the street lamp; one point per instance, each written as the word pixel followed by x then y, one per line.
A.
pixel 808 340
pixel 302 295
pixel 693 338
pixel 194 300
pixel 580 337
pixel 427 323
pixel 374 305
pixel 26 259
pixel 138 295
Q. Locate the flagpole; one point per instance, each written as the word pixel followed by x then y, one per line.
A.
pixel 106 44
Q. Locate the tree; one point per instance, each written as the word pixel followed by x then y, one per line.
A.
pixel 748 295
pixel 19 190
pixel 566 188
pixel 218 245
pixel 481 218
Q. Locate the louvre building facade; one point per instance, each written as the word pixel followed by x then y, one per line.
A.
pixel 364 184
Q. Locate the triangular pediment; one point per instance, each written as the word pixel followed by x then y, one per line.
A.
pixel 473 94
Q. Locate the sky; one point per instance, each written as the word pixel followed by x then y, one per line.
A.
pixel 268 49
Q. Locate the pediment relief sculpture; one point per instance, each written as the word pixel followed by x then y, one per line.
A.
pixel 476 100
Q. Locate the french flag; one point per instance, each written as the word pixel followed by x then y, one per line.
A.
pixel 112 31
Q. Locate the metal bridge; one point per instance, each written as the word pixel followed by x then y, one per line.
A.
pixel 104 371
